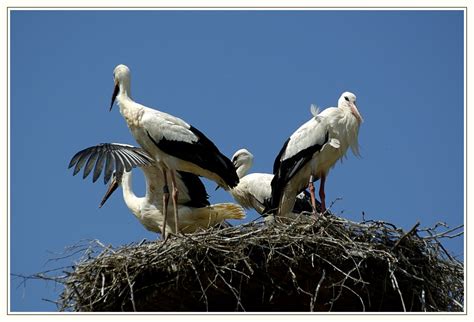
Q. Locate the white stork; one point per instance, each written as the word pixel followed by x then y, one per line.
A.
pixel 312 150
pixel 254 189
pixel 194 209
pixel 172 142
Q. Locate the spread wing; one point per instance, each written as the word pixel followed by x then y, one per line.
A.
pixel 109 157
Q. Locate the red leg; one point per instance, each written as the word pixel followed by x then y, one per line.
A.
pixel 322 196
pixel 175 201
pixel 311 192
pixel 166 196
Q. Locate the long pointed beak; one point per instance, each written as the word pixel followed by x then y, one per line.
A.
pixel 112 187
pixel 356 113
pixel 114 95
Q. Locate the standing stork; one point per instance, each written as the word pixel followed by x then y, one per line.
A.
pixel 254 189
pixel 173 143
pixel 195 212
pixel 312 150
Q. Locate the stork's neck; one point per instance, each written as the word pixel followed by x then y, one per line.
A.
pixel 244 169
pixel 124 87
pixel 124 94
pixel 343 105
pixel 130 110
pixel 132 201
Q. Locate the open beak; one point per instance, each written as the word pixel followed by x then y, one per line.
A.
pixel 356 113
pixel 114 95
pixel 112 187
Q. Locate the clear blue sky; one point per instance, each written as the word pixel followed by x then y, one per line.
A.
pixel 245 79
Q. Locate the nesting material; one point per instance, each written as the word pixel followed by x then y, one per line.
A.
pixel 328 264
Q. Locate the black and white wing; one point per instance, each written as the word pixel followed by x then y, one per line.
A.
pixel 296 152
pixel 109 157
pixel 192 190
pixel 183 141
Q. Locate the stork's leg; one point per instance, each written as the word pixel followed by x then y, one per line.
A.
pixel 166 197
pixel 311 192
pixel 175 201
pixel 322 196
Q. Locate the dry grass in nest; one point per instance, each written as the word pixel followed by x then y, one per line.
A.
pixel 331 264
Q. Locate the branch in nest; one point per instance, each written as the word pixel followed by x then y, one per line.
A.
pixel 328 264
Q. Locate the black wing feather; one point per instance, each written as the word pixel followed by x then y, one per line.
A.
pixel 109 167
pixel 285 170
pixel 90 164
pixel 203 153
pixel 98 167
pixel 276 164
pixel 125 163
pixel 117 157
pixel 197 192
pixel 80 163
pixel 74 159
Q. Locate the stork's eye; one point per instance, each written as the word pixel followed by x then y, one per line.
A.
pixel 346 98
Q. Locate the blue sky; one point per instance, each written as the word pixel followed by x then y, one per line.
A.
pixel 245 79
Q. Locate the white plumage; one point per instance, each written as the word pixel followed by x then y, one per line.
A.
pixel 194 209
pixel 312 150
pixel 254 189
pixel 172 142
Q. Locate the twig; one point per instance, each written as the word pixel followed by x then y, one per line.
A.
pixel 316 291
pixel 254 264
pixel 397 288
pixel 411 231
pixel 130 284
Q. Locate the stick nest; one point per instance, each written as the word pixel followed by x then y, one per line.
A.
pixel 328 264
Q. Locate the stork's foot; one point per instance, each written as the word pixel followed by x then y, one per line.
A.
pixel 163 239
pixel 173 235
pixel 323 209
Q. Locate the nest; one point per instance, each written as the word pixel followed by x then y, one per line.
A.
pixel 328 264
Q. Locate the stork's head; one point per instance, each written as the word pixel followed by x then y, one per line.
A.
pixel 242 160
pixel 115 182
pixel 348 100
pixel 121 80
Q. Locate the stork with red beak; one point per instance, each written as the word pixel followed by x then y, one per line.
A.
pixel 312 150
